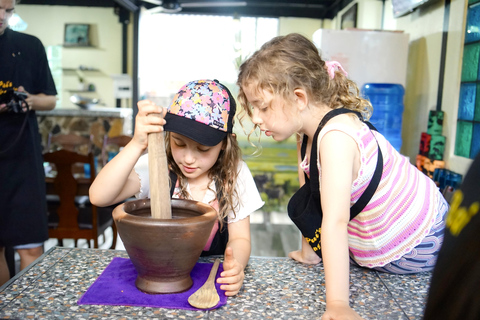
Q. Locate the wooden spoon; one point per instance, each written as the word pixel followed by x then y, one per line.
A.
pixel 158 173
pixel 206 296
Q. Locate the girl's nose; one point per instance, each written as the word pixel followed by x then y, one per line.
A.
pixel 189 156
pixel 255 117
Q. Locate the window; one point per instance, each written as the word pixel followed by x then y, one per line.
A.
pixel 468 118
pixel 175 49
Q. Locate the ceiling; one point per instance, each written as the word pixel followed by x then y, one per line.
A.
pixel 318 9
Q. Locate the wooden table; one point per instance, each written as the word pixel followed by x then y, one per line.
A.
pixel 274 288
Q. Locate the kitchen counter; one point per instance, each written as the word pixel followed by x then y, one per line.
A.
pixel 95 122
pixel 92 112
pixel 274 288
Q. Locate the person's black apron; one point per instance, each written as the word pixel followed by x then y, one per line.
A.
pixel 23 210
pixel 219 242
pixel 304 208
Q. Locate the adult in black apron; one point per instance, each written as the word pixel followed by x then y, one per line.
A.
pixel 453 292
pixel 23 213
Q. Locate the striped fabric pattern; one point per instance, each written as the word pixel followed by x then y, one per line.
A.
pixel 403 209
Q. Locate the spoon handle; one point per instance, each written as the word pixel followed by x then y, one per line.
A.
pixel 213 272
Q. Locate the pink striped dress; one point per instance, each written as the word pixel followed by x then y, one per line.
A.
pixel 402 210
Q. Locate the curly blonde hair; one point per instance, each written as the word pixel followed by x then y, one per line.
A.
pixel 221 173
pixel 290 62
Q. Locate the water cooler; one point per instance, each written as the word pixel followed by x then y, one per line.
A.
pixel 387 102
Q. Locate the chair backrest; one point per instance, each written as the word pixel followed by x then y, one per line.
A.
pixel 67 186
pixel 113 144
pixel 71 142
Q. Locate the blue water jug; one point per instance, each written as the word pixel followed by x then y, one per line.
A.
pixel 387 102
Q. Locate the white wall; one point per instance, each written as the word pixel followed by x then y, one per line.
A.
pixel 369 56
pixel 369 14
pixel 425 27
pixel 451 87
pixel 48 23
pixel 304 26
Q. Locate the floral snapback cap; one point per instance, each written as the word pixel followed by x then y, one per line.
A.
pixel 202 110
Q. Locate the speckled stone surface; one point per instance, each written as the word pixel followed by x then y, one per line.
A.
pixel 274 288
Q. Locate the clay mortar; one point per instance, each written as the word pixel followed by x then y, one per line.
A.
pixel 164 251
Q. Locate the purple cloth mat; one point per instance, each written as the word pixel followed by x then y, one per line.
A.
pixel 116 286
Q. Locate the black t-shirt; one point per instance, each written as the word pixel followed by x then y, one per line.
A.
pixel 455 286
pixel 23 62
pixel 23 209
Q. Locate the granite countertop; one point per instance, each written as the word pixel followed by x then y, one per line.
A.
pixel 274 288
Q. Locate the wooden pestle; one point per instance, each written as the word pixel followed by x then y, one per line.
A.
pixel 160 204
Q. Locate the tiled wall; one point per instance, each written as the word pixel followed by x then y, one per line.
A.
pixel 467 142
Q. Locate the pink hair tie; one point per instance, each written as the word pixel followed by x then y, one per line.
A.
pixel 332 65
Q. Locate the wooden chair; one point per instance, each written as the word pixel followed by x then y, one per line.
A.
pixel 113 144
pixel 70 141
pixel 71 215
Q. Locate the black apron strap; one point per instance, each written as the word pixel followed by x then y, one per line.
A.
pixel 173 181
pixel 370 190
pixel 314 152
pixel 219 242
pixel 372 186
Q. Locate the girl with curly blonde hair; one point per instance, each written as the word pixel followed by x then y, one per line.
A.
pixel 361 200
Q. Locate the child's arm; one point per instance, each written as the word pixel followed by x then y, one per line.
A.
pixel 117 181
pixel 338 153
pixel 236 257
pixel 237 252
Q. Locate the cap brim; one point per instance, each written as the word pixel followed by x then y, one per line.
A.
pixel 194 130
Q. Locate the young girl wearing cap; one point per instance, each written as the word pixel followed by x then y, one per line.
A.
pixel 361 197
pixel 205 159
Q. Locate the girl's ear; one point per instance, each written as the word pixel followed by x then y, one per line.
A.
pixel 301 99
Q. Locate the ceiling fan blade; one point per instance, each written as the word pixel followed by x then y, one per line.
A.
pixel 174 6
pixel 154 10
pixel 156 2
pixel 166 6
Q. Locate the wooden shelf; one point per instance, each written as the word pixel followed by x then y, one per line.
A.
pixel 91 72
pixel 83 72
pixel 73 46
pixel 69 72
pixel 80 91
